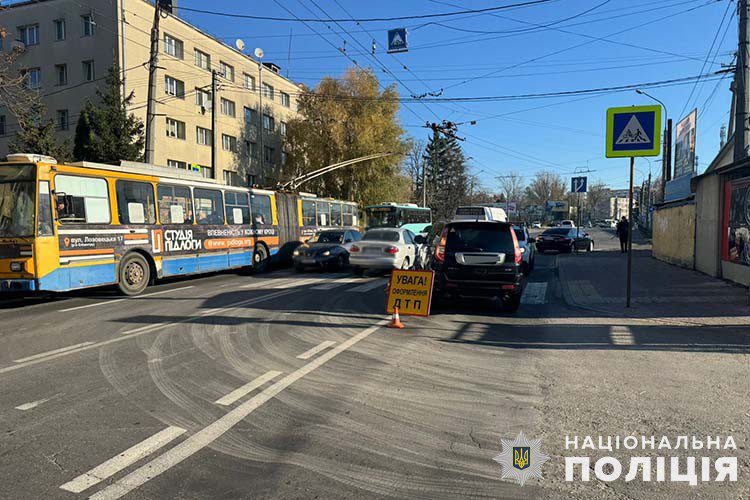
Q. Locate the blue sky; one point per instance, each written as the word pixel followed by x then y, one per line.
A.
pixel 551 47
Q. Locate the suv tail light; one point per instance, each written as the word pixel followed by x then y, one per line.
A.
pixel 517 254
pixel 391 249
pixel 440 248
pixel 354 248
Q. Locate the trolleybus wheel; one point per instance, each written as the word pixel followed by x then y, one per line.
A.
pixel 134 274
pixel 260 259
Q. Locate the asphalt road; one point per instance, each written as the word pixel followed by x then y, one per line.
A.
pixel 287 386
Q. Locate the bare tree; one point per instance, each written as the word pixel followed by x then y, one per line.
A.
pixel 595 196
pixel 511 186
pixel 14 94
pixel 546 186
pixel 414 169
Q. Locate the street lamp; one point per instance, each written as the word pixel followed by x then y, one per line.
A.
pixel 666 165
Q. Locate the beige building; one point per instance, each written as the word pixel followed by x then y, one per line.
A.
pixel 68 46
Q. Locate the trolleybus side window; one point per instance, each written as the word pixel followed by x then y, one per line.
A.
pixel 238 210
pixel 175 204
pixel 349 217
pixel 209 207
pixel 135 202
pixel 336 214
pixel 260 204
pixel 324 217
pixel 308 213
pixel 44 218
pixel 82 200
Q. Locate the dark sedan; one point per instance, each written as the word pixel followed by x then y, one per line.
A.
pixel 327 249
pixel 564 239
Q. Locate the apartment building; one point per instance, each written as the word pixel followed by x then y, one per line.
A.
pixel 68 46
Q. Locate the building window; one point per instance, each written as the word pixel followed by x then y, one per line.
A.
pixel 202 98
pixel 228 143
pixel 209 206
pixel 282 128
pixel 173 46
pixel 285 101
pixel 173 86
pixel 175 129
pixel 175 204
pixel 268 91
pixel 182 165
pixel 226 71
pixel 249 116
pixel 88 71
pixel 202 60
pixel 268 123
pixel 61 74
pixel 203 136
pixel 62 119
pixel 206 172
pixel 283 158
pixel 2 124
pixel 227 107
pixel 135 202
pixel 249 81
pixel 33 78
pixel 88 25
pixel 59 29
pixel 269 154
pixel 90 199
pixel 29 35
pixel 251 149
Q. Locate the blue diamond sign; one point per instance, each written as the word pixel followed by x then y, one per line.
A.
pixel 397 41
pixel 633 131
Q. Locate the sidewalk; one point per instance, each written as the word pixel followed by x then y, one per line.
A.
pixel 597 282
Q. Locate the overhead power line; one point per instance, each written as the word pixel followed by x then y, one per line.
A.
pixel 367 19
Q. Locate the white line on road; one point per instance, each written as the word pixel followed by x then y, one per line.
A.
pixel 315 350
pixel 340 282
pixel 50 353
pixel 135 333
pixel 124 459
pixel 535 293
pixel 369 286
pixel 120 300
pixel 247 388
pixel 621 335
pixel 209 434
pixel 32 405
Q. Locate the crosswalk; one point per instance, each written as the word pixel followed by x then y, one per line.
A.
pixel 328 281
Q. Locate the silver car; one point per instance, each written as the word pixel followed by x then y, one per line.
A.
pixel 383 249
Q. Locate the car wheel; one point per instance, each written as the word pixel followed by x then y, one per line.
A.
pixel 358 271
pixel 533 263
pixel 134 274
pixel 512 303
pixel 591 246
pixel 340 263
pixel 405 264
pixel 525 269
pixel 299 268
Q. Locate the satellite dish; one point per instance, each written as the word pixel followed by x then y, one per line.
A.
pixel 259 53
pixel 239 44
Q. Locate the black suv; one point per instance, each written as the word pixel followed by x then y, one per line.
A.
pixel 479 259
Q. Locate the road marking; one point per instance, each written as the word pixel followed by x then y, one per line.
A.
pixel 53 352
pixel 212 432
pixel 315 350
pixel 135 333
pixel 621 335
pixel 247 388
pixel 535 293
pixel 120 300
pixel 124 459
pixel 32 405
pixel 341 282
pixel 369 286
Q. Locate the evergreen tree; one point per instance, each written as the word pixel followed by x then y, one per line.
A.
pixel 447 177
pixel 107 133
pixel 37 134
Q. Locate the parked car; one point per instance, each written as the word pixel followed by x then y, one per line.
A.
pixel 564 239
pixel 384 249
pixel 567 223
pixel 328 248
pixel 536 225
pixel 479 259
pixel 528 249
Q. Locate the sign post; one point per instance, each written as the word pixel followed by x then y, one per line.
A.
pixel 633 131
pixel 578 185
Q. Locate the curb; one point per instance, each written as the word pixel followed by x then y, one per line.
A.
pixel 569 297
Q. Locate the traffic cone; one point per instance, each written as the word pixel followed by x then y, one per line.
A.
pixel 395 320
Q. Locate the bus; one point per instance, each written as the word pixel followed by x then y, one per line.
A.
pixel 80 225
pixel 407 215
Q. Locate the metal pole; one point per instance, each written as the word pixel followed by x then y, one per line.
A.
pixel 630 232
pixel 261 151
pixel 214 89
pixel 669 149
pixel 742 75
pixel 152 62
pixel 424 184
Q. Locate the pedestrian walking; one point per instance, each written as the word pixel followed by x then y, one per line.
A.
pixel 622 233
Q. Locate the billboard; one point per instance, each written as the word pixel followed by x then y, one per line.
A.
pixel 737 235
pixel 684 145
pixel 556 206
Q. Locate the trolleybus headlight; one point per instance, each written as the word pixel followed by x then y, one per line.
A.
pixel 16 267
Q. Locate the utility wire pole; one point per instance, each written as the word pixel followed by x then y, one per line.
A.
pixel 741 80
pixel 150 103
pixel 214 91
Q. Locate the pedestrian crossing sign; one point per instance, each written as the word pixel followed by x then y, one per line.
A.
pixel 633 131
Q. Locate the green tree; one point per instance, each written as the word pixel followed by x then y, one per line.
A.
pixel 106 133
pixel 447 177
pixel 343 119
pixel 36 134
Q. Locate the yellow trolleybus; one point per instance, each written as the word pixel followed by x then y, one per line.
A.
pixel 71 226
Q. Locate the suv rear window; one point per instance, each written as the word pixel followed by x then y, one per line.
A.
pixel 380 235
pixel 494 238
